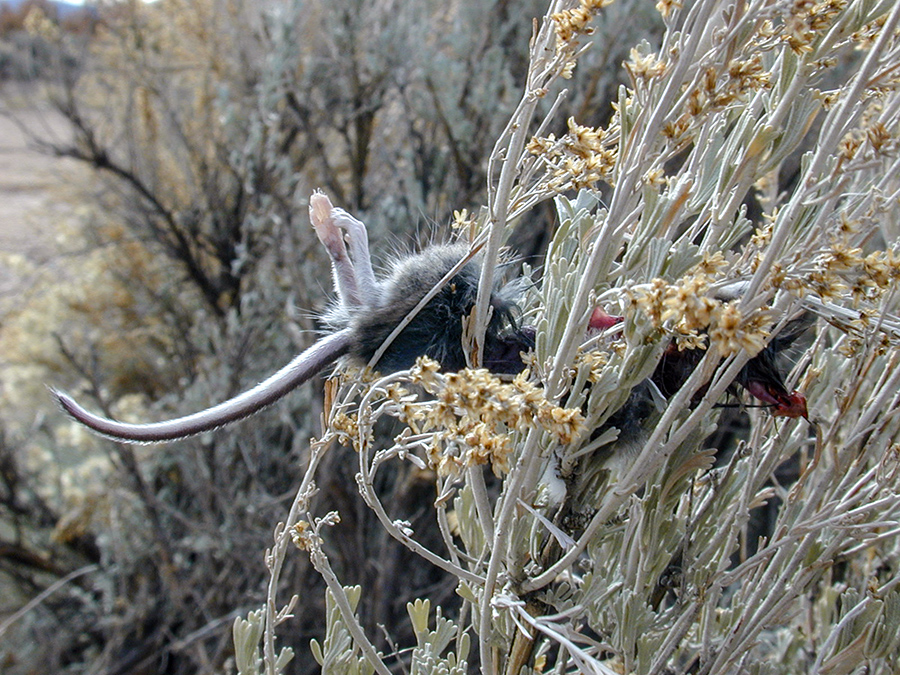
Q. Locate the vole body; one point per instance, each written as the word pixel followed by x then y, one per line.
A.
pixel 364 317
pixel 369 310
pixel 436 330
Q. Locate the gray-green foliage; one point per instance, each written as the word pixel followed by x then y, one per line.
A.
pixel 430 644
pixel 246 634
pixel 337 653
pixel 650 558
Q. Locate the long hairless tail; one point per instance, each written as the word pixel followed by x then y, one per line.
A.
pixel 299 370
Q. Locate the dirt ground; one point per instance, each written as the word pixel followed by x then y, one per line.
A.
pixel 32 184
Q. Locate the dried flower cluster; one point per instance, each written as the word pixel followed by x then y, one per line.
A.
pixel 807 20
pixel 580 159
pixel 570 23
pixel 667 7
pixel 717 89
pixel 346 426
pixel 687 311
pixel 643 65
pixel 306 537
pixel 473 414
pixel 843 275
pixel 870 142
pixel 595 361
pixel 865 36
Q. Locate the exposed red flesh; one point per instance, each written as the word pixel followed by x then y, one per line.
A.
pixel 784 404
pixel 600 320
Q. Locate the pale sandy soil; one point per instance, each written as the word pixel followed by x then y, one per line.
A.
pixel 33 185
